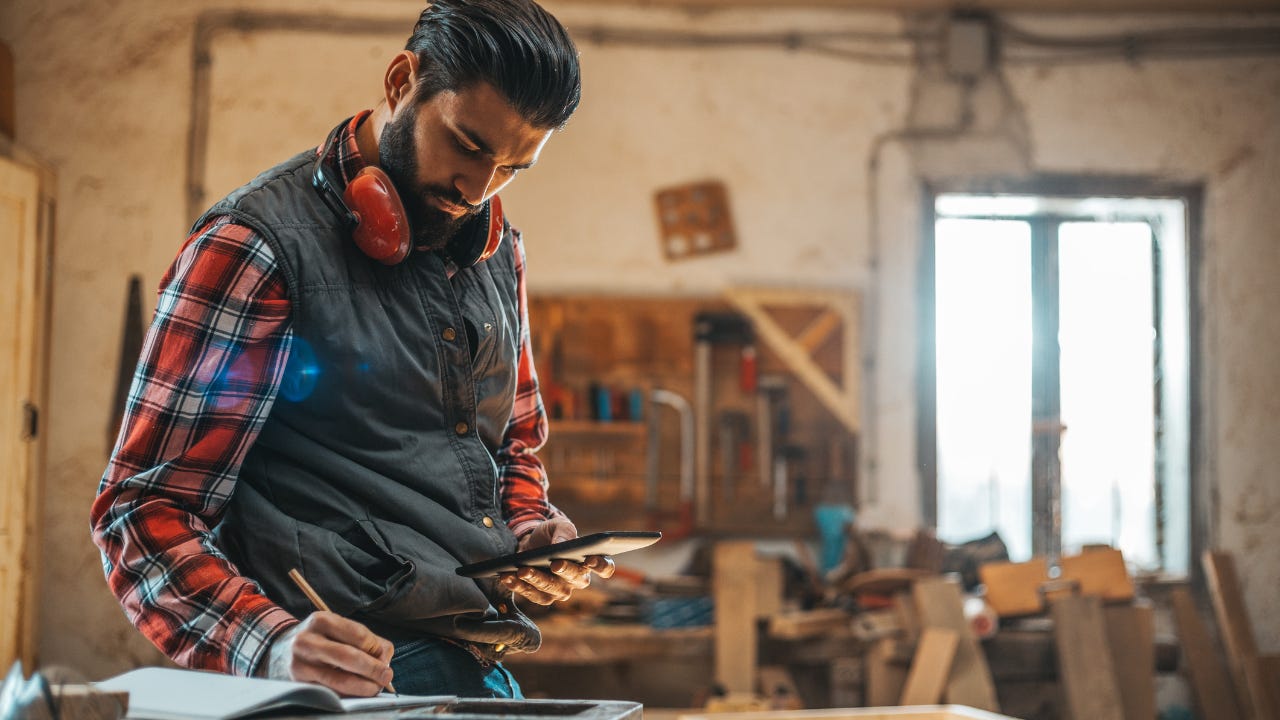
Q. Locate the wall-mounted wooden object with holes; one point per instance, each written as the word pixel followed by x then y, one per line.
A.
pixel 834 311
pixel 694 220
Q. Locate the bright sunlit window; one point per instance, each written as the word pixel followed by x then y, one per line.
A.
pixel 1113 271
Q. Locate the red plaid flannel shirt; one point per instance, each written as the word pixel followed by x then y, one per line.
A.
pixel 223 314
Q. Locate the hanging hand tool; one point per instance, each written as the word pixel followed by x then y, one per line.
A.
pixel 771 389
pixel 709 329
pixel 653 458
pixel 735 428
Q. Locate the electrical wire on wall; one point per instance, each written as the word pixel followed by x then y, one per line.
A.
pixel 1016 45
pixel 844 44
pixel 1025 47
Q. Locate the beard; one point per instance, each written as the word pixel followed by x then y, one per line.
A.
pixel 430 228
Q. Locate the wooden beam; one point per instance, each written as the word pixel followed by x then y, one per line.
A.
pixel 930 667
pixel 841 399
pixel 733 580
pixel 1131 636
pixel 812 337
pixel 1237 636
pixel 1084 659
pixel 940 606
pixel 886 673
pixel 1214 696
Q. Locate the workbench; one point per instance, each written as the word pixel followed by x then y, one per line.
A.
pixel 611 658
pixel 484 709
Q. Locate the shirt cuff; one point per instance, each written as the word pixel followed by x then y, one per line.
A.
pixel 252 643
pixel 523 527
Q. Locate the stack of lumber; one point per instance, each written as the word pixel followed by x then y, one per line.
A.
pixel 1105 643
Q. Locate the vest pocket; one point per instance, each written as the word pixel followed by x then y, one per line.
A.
pixel 431 589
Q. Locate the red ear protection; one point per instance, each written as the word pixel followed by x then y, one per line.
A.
pixel 382 228
pixel 379 225
pixel 493 230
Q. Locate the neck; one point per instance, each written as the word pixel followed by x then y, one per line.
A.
pixel 370 130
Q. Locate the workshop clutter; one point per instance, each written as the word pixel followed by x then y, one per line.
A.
pixel 896 623
pixel 707 414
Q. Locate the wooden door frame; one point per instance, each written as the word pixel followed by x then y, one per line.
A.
pixel 39 393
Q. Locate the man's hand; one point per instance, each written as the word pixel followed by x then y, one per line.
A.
pixel 333 651
pixel 543 587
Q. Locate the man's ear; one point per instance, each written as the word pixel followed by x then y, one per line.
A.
pixel 400 80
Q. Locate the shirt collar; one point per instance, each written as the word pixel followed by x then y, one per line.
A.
pixel 345 156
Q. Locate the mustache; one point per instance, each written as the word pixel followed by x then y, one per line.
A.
pixel 451 196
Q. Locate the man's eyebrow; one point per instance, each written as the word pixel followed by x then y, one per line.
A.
pixel 485 148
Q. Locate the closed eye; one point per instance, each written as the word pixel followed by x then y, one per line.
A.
pixel 465 149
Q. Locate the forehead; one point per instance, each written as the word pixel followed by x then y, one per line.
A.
pixel 480 113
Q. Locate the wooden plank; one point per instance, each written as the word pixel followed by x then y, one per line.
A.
pixel 940 605
pixel 1099 572
pixel 886 673
pixel 1237 634
pixel 1013 589
pixel 733 570
pixel 1131 637
pixel 1084 659
pixel 569 642
pixel 884 581
pixel 769 586
pixel 931 667
pixel 904 610
pixel 817 332
pixel 1215 698
pixel 802 624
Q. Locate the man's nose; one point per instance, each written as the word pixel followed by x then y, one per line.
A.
pixel 476 185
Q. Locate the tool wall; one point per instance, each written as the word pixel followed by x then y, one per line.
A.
pixel 668 413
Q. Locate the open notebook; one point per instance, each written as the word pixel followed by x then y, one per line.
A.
pixel 166 694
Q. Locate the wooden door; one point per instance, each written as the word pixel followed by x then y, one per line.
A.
pixel 23 223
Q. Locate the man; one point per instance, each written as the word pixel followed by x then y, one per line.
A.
pixel 304 401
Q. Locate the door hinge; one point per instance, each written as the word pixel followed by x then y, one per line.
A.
pixel 30 421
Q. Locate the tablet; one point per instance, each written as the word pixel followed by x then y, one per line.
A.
pixel 576 550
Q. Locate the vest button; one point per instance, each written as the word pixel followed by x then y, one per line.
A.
pixel 449 334
pixel 461 428
pixel 502 608
pixel 488 521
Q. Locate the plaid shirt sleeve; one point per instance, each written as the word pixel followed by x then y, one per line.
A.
pixel 522 479
pixel 210 367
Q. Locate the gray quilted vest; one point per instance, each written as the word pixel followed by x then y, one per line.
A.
pixel 374 472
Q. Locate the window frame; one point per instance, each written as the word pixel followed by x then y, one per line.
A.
pixel 1068 186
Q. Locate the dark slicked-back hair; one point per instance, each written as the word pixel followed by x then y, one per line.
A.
pixel 514 45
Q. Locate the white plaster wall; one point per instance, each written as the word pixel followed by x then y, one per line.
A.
pixel 103 97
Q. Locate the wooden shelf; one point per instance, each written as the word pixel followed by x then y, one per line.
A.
pixel 595 427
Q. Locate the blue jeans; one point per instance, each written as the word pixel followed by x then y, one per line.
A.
pixel 431 666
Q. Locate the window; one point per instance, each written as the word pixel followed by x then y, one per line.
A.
pixel 1058 370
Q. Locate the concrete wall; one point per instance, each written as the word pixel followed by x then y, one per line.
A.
pixel 103 96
